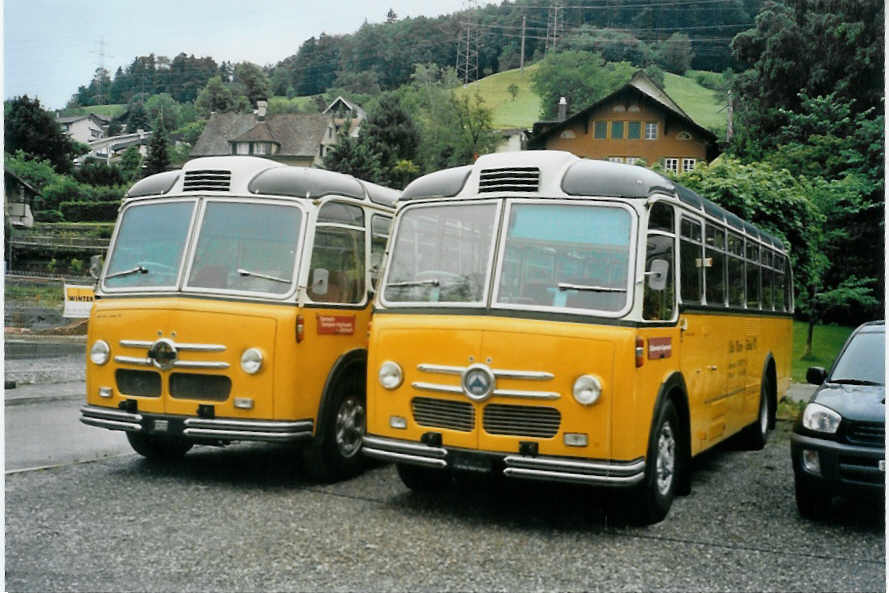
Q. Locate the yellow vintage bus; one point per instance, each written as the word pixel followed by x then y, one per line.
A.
pixel 234 306
pixel 548 317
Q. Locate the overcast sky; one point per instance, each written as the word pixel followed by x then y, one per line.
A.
pixel 53 46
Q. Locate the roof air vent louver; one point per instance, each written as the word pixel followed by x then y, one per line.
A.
pixel 525 179
pixel 207 180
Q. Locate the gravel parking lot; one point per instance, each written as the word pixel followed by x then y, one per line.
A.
pixel 246 518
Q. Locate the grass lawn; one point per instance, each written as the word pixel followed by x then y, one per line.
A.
pixel 700 103
pixel 826 344
pixel 508 113
pixel 37 294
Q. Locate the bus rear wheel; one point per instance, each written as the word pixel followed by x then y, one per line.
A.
pixel 654 497
pixel 159 448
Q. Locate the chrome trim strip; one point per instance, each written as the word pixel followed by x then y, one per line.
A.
pixel 536 474
pixel 240 435
pixel 406 446
pixel 526 375
pixel 145 362
pixel 112 413
pixel 199 364
pixel 111 424
pixel 401 457
pixel 440 368
pixel 189 347
pixel 613 469
pixel 523 394
pixel 436 387
pixel 248 425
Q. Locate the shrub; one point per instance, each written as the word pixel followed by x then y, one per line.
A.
pixel 90 211
pixel 48 216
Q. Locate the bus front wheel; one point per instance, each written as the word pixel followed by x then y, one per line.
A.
pixel 158 448
pixel 336 452
pixel 757 434
pixel 654 496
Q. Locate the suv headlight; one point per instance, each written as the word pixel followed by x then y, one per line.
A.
pixel 390 375
pixel 100 352
pixel 821 419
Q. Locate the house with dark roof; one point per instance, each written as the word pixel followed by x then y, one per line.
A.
pixel 290 138
pixel 638 123
pixel 17 197
pixel 84 128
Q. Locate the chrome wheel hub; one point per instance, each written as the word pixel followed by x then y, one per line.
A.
pixel 665 464
pixel 349 427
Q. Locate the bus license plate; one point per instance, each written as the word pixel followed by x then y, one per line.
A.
pixel 161 425
pixel 882 465
pixel 471 463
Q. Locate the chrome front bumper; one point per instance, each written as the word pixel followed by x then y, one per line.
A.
pixel 561 469
pixel 208 429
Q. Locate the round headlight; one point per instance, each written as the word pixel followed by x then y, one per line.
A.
pixel 100 352
pixel 821 418
pixel 587 390
pixel 390 375
pixel 251 361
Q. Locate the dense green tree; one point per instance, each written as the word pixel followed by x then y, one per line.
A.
pixel 137 116
pixel 131 164
pixel 158 158
pixel 216 96
pixel 675 54
pixel 354 157
pixel 581 77
pixel 390 131
pixel 95 172
pixel 612 45
pixel 37 172
pixel 254 81
pixel 30 128
pixel 162 111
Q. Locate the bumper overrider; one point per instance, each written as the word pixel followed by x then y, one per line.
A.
pixel 206 429
pixel 562 469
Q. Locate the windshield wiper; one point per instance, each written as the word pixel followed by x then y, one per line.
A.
pixel 430 282
pixel 139 269
pixel 567 286
pixel 244 272
pixel 853 382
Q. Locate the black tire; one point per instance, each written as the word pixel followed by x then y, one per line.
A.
pixel 336 455
pixel 654 497
pixel 423 479
pixel 811 501
pixel 159 448
pixel 756 435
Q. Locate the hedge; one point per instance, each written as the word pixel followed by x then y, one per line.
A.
pixel 90 211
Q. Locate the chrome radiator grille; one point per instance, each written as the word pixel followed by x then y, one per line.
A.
pixel 527 421
pixel 438 413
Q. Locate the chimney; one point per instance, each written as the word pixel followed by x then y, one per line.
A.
pixel 261 106
pixel 563 108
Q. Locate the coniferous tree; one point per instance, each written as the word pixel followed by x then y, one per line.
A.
pixel 158 159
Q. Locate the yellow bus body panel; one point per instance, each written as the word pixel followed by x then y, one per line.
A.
pixel 289 384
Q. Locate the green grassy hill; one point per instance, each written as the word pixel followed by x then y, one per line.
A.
pixel 702 104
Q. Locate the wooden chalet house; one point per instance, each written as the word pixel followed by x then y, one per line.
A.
pixel 639 123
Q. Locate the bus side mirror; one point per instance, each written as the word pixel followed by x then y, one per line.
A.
pixel 320 277
pixel 657 275
pixel 96 266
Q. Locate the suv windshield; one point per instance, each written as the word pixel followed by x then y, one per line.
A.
pixel 441 254
pixel 573 256
pixel 863 360
pixel 246 247
pixel 148 248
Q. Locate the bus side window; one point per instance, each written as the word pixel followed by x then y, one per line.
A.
pixel 780 294
pixel 768 277
pixel 659 305
pixel 379 234
pixel 735 271
pixel 753 269
pixel 691 261
pixel 337 270
pixel 715 265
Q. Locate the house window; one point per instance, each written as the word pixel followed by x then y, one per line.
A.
pixel 671 164
pixel 617 130
pixel 688 165
pixel 632 160
pixel 260 148
pixel 634 130
pixel 651 130
pixel 600 129
pixel 242 148
pixel 615 159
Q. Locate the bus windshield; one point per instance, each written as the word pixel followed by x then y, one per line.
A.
pixel 573 256
pixel 442 254
pixel 246 247
pixel 149 245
